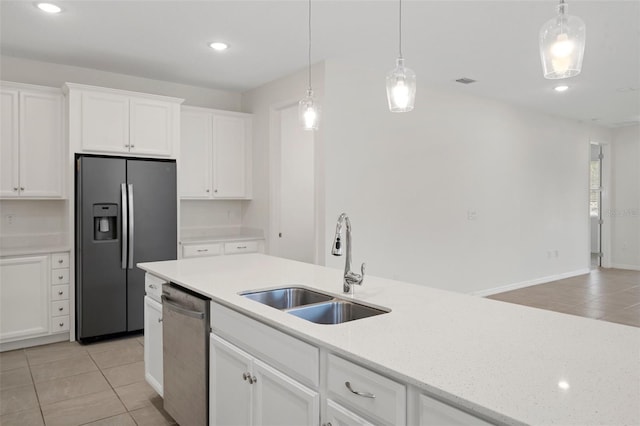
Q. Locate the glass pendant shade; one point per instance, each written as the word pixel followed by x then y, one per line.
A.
pixel 401 88
pixel 562 41
pixel 309 112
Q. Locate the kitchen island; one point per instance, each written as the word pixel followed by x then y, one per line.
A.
pixel 504 363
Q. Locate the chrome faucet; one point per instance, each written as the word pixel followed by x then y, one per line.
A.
pixel 350 278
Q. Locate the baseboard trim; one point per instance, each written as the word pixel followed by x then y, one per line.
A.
pixel 622 266
pixel 542 280
pixel 36 341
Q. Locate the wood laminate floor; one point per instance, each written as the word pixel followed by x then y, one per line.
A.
pixel 70 384
pixel 605 294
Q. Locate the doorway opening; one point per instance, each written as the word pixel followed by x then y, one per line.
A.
pixel 595 205
pixel 294 206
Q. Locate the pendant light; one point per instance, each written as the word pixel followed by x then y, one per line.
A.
pixel 562 41
pixel 401 81
pixel 308 108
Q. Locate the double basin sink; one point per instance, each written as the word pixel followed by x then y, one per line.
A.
pixel 314 306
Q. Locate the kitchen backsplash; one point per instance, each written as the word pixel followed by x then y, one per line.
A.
pixel 31 223
pixel 210 214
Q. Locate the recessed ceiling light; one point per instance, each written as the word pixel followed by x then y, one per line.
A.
pixel 561 88
pixel 49 7
pixel 218 45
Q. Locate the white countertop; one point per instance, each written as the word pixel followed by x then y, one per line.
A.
pixel 499 359
pixel 221 234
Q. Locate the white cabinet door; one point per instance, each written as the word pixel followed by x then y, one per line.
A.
pixel 435 413
pixel 280 400
pixel 24 305
pixel 153 344
pixel 150 127
pixel 105 122
pixel 9 185
pixel 337 415
pixel 230 392
pixel 41 147
pixel 229 156
pixel 195 155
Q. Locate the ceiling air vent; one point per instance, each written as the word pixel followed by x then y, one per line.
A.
pixel 465 80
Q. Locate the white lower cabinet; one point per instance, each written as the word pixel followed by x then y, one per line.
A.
pixel 24 305
pixel 246 391
pixel 153 344
pixel 337 415
pixel 435 413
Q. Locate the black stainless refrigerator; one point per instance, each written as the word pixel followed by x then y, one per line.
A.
pixel 126 213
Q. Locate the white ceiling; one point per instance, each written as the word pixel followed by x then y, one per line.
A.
pixel 493 42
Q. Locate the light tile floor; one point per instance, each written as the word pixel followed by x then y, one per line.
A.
pixel 70 384
pixel 606 294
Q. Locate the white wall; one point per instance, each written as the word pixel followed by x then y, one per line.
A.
pixel 55 75
pixel 625 208
pixel 410 182
pixel 264 102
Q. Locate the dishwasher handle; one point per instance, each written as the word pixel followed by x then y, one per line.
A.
pixel 179 309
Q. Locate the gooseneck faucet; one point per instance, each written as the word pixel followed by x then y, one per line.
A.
pixel 350 278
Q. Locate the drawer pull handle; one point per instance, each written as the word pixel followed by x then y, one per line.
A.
pixel 60 260
pixel 241 247
pixel 253 380
pixel 202 250
pixel 61 309
pixel 246 376
pixel 153 286
pixel 61 324
pixel 61 292
pixel 159 319
pixel 60 277
pixel 363 394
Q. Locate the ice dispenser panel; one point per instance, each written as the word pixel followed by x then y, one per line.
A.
pixel 105 225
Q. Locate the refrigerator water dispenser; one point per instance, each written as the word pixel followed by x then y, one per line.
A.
pixel 105 225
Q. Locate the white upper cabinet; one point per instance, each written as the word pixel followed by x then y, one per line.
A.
pixel 117 121
pixel 151 127
pixel 9 177
pixel 215 154
pixel 195 154
pixel 229 156
pixel 32 149
pixel 105 122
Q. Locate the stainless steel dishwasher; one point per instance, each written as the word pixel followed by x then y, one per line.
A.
pixel 185 348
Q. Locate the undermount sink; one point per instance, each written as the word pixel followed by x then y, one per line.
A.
pixel 335 312
pixel 286 298
pixel 314 306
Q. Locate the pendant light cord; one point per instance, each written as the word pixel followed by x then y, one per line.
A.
pixel 400 28
pixel 309 45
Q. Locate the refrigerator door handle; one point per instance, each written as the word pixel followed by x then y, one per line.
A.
pixel 125 224
pixel 130 209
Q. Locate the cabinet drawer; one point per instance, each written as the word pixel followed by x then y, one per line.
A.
pixel 59 307
pixel 241 247
pixel 60 276
pixel 195 250
pixel 153 287
pixel 380 398
pixel 292 356
pixel 60 292
pixel 59 260
pixel 59 324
